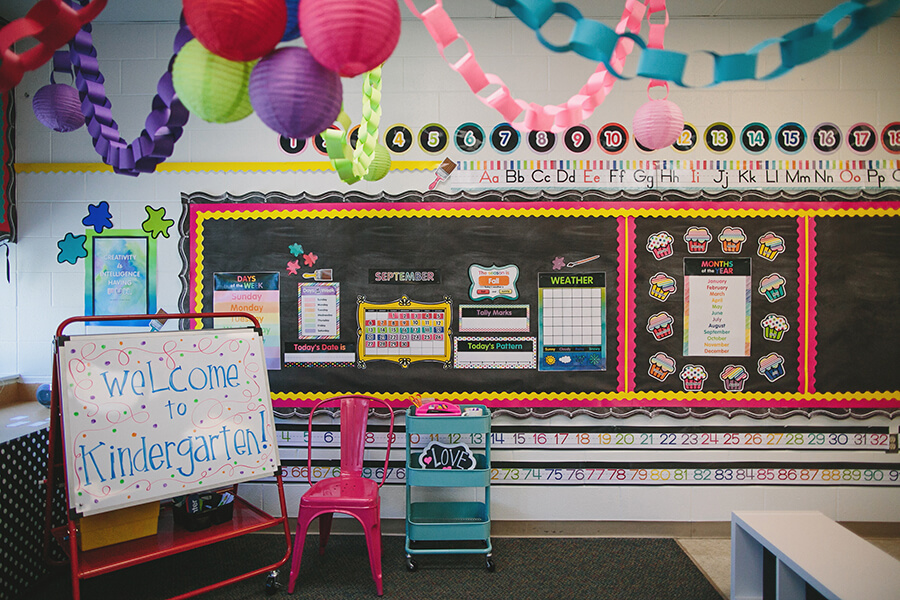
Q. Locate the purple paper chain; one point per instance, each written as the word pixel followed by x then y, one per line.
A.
pixel 164 124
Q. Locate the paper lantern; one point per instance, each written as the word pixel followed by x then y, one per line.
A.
pixel 293 94
pixel 350 37
pixel 657 124
pixel 238 30
pixel 380 165
pixel 58 107
pixel 212 87
pixel 292 29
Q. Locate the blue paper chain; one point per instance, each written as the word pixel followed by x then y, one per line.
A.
pixel 595 41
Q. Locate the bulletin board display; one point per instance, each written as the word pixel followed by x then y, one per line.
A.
pixel 150 416
pixel 667 299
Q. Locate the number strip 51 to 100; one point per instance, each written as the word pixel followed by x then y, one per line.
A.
pixel 615 440
pixel 642 476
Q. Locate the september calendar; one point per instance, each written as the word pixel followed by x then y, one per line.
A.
pixel 404 331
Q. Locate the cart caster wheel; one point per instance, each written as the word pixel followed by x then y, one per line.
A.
pixel 489 563
pixel 272 584
pixel 411 565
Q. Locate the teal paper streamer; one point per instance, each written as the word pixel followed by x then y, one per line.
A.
pixel 595 41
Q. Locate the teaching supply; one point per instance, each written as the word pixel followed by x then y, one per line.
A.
pixel 319 275
pixel 582 261
pixel 438 409
pixel 443 172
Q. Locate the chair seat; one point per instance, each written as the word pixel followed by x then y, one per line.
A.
pixel 346 490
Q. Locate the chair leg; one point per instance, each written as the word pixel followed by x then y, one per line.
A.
pixel 324 530
pixel 373 543
pixel 297 552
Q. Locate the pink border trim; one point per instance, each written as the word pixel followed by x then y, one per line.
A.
pixel 625 280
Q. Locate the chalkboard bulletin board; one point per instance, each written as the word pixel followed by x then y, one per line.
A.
pixel 809 284
pixel 150 416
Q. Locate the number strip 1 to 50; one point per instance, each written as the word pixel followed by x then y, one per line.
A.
pixel 807 440
pixel 875 476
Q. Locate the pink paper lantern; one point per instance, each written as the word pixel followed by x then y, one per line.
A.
pixel 657 124
pixel 58 107
pixel 239 30
pixel 293 94
pixel 350 37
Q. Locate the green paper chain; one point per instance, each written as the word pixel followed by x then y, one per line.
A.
pixel 352 164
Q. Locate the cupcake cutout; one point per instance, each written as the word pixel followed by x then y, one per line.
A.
pixel 660 325
pixel 732 239
pixel 660 245
pixel 733 377
pixel 692 378
pixel 662 286
pixel 770 246
pixel 661 366
pixel 772 287
pixel 774 326
pixel 697 239
pixel 771 366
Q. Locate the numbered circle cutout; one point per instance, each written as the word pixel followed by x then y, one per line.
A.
pixel 469 138
pixel 687 140
pixel 826 138
pixel 578 139
pixel 319 142
pixel 790 138
pixel 719 137
pixel 756 138
pixel 862 138
pixel 890 137
pixel 505 139
pixel 354 137
pixel 398 138
pixel 541 142
pixel 433 138
pixel 291 145
pixel 613 138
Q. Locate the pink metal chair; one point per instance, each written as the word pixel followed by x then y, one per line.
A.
pixel 349 493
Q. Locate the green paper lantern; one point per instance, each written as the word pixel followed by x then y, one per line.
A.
pixel 380 165
pixel 212 87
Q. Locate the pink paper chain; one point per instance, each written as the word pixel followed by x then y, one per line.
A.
pixel 553 118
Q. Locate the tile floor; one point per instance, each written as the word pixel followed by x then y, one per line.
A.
pixel 713 557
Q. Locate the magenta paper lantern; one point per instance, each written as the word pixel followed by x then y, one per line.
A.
pixel 657 124
pixel 293 94
pixel 350 37
pixel 239 30
pixel 58 107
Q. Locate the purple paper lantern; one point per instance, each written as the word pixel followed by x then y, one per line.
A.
pixel 657 124
pixel 293 94
pixel 58 107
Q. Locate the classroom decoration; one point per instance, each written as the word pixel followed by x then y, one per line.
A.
pixel 239 30
pixel 348 36
pixel 657 124
pixel 58 107
pixel 292 28
pixel 211 87
pixel 164 124
pixel 293 94
pixel 535 117
pixel 352 164
pixel 380 165
pixel 52 23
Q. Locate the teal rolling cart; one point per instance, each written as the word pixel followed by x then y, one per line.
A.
pixel 433 525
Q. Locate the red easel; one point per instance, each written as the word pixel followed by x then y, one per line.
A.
pixel 170 539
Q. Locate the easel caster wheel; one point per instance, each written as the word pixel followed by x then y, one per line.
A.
pixel 411 564
pixel 272 584
pixel 489 563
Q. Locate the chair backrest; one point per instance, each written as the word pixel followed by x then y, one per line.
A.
pixel 354 417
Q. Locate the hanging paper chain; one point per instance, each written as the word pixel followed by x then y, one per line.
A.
pixel 554 118
pixel 52 23
pixel 595 41
pixel 656 37
pixel 164 124
pixel 367 138
pixel 351 165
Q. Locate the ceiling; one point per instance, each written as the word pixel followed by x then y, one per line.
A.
pixel 126 11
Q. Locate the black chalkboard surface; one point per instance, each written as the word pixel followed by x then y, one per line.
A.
pixel 838 263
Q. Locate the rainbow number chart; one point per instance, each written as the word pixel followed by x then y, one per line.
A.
pixel 404 331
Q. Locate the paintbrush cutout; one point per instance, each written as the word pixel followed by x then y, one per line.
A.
pixel 319 275
pixel 442 173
